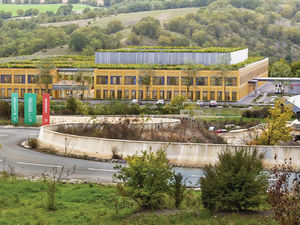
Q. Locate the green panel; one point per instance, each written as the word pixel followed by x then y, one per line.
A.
pixel 30 109
pixel 14 108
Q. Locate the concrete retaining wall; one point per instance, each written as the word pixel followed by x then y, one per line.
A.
pixel 178 153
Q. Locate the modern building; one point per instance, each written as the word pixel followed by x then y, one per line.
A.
pixel 119 82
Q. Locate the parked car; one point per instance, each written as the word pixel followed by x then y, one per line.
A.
pixel 136 101
pixel 221 131
pixel 211 128
pixel 187 102
pixel 200 103
pixel 160 101
pixel 213 103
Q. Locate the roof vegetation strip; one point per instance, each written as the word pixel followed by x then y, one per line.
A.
pixel 174 49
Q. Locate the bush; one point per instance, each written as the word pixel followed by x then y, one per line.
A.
pixel 256 113
pixel 145 179
pixel 71 104
pixel 236 182
pixel 5 110
pixel 64 112
pixel 33 143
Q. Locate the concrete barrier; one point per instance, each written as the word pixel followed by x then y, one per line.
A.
pixel 184 154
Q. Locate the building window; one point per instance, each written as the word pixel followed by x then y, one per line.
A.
pixel 216 81
pixel 5 78
pixel 198 97
pixel 126 94
pixel 43 91
pixel 9 92
pixel 2 92
pixel 226 95
pixel 98 94
pixel 159 81
pixel 141 95
pixel 116 80
pixel 212 95
pixel 112 94
pixel 105 93
pixel 147 94
pixel 169 94
pixel 29 90
pixel 234 96
pixel 173 80
pixel 22 93
pixel 19 79
pixel 176 94
pixel 31 79
pixel 16 90
pixel 102 80
pixel 219 95
pixel 154 95
pixel 204 95
pixel 183 93
pixel 231 81
pixel 130 80
pixel 119 94
pixel 161 95
pixel 190 95
pixel 37 91
pixel 133 94
pixel 201 81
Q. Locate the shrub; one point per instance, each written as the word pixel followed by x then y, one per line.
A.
pixel 33 143
pixel 145 179
pixel 64 112
pixel 178 188
pixel 71 104
pixel 235 182
pixel 5 110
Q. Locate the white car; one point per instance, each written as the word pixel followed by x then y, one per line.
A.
pixel 160 101
pixel 200 103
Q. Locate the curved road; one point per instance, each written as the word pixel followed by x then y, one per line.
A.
pixel 31 163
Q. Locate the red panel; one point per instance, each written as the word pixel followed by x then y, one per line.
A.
pixel 46 109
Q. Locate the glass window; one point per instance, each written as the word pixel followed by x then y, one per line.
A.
pixel 183 93
pixel 161 95
pixel 204 95
pixel 159 81
pixel 173 80
pixel 176 94
pixel 22 93
pixel 2 92
pixel 234 96
pixel 105 93
pixel 154 95
pixel 31 79
pixel 169 94
pixel 219 95
pixel 130 80
pixel 119 94
pixel 9 92
pixel 216 81
pixel 201 81
pixel 116 80
pixel 212 95
pixel 98 94
pixel 198 97
pixel 133 94
pixel 112 94
pixel 43 91
pixel 19 79
pixel 29 90
pixel 16 90
pixel 141 95
pixel 187 81
pixel 147 93
pixel 126 94
pixel 190 95
pixel 102 80
pixel 5 78
pixel 231 81
pixel 226 95
pixel 37 91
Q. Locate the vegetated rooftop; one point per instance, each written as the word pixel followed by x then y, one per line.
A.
pixel 78 61
pixel 195 49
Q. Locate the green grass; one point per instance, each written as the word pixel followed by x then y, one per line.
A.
pixel 42 7
pixel 60 50
pixel 24 202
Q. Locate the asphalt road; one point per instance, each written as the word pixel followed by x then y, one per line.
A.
pixel 30 163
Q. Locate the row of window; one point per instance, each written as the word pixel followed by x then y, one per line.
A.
pixel 21 92
pixel 18 79
pixel 200 81
pixel 165 95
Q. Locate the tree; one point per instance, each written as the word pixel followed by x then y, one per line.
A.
pixel 236 182
pixel 148 26
pixel 44 77
pixel 79 41
pixel 71 104
pixel 145 179
pixel 146 76
pixel 222 72
pixel 280 69
pixel 276 129
pixel 114 26
pixel 20 12
pixel 84 76
pixel 188 74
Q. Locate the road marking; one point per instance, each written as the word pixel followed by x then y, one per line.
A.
pixel 34 164
pixel 103 170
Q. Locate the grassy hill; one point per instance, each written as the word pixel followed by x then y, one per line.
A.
pixel 41 7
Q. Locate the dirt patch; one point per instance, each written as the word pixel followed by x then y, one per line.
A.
pixel 251 213
pixel 163 17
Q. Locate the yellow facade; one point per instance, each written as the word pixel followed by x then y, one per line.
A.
pixel 123 83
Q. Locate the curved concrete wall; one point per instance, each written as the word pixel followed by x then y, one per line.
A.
pixel 186 154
